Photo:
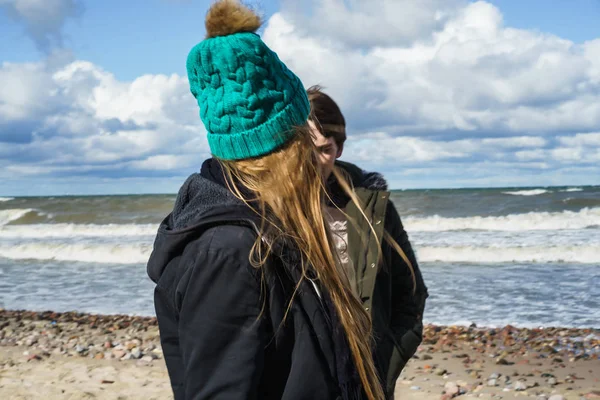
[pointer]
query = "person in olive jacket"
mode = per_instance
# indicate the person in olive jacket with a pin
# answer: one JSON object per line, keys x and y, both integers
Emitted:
{"x": 390, "y": 287}
{"x": 249, "y": 300}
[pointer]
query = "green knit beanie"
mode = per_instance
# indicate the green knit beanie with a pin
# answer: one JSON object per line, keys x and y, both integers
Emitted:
{"x": 249, "y": 100}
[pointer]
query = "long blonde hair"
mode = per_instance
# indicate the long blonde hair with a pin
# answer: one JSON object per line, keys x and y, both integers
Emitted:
{"x": 288, "y": 193}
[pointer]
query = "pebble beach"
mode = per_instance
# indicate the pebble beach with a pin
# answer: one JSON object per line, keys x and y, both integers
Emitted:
{"x": 76, "y": 355}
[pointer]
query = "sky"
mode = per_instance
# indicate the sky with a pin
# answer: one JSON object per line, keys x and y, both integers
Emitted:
{"x": 436, "y": 93}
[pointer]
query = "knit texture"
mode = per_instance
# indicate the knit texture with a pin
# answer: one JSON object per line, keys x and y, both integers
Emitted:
{"x": 249, "y": 100}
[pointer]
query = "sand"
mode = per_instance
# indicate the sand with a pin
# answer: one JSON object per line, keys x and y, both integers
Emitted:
{"x": 78, "y": 356}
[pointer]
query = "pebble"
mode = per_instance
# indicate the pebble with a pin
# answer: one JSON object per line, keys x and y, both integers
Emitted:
{"x": 451, "y": 388}
{"x": 146, "y": 360}
{"x": 415, "y": 388}
{"x": 520, "y": 386}
{"x": 556, "y": 397}
{"x": 503, "y": 361}
{"x": 119, "y": 353}
{"x": 492, "y": 382}
{"x": 440, "y": 371}
{"x": 136, "y": 353}
{"x": 552, "y": 381}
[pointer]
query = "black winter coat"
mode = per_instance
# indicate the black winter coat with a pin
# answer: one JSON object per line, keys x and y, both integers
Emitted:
{"x": 220, "y": 340}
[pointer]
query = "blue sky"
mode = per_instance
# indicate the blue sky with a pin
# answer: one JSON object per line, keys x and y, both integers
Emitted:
{"x": 437, "y": 93}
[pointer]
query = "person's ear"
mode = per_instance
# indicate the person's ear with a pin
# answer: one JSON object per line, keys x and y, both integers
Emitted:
{"x": 340, "y": 151}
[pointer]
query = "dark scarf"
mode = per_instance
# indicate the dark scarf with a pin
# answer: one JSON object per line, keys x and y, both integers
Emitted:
{"x": 346, "y": 373}
{"x": 336, "y": 195}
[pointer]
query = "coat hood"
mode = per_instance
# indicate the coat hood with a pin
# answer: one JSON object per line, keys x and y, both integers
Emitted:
{"x": 203, "y": 201}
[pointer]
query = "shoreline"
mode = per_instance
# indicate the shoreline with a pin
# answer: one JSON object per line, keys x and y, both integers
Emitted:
{"x": 80, "y": 355}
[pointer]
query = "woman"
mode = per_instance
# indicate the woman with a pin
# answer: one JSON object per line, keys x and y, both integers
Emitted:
{"x": 248, "y": 296}
{"x": 383, "y": 273}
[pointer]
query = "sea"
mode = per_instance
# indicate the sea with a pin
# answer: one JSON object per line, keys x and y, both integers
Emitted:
{"x": 528, "y": 257}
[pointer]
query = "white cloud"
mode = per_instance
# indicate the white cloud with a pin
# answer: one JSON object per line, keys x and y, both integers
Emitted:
{"x": 473, "y": 74}
{"x": 528, "y": 155}
{"x": 97, "y": 122}
{"x": 570, "y": 150}
{"x": 381, "y": 147}
{"x": 581, "y": 139}
{"x": 22, "y": 85}
{"x": 165, "y": 162}
{"x": 515, "y": 142}
{"x": 372, "y": 23}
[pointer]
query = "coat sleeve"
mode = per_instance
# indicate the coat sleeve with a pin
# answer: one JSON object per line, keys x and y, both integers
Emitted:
{"x": 408, "y": 301}
{"x": 221, "y": 328}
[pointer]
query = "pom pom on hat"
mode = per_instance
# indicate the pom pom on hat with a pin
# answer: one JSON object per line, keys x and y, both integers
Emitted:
{"x": 227, "y": 17}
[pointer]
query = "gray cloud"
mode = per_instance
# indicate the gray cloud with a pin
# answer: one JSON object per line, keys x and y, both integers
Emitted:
{"x": 43, "y": 20}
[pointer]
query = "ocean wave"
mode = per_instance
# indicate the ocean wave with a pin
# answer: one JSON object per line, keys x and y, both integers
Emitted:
{"x": 550, "y": 238}
{"x": 585, "y": 218}
{"x": 5, "y": 199}
{"x": 532, "y": 192}
{"x": 569, "y": 190}
{"x": 138, "y": 253}
{"x": 76, "y": 230}
{"x": 97, "y": 253}
{"x": 14, "y": 214}
{"x": 492, "y": 255}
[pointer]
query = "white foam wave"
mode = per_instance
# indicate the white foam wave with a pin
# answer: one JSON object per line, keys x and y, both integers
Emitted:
{"x": 138, "y": 253}
{"x": 586, "y": 218}
{"x": 569, "y": 190}
{"x": 13, "y": 214}
{"x": 532, "y": 192}
{"x": 564, "y": 237}
{"x": 5, "y": 199}
{"x": 96, "y": 253}
{"x": 486, "y": 255}
{"x": 76, "y": 230}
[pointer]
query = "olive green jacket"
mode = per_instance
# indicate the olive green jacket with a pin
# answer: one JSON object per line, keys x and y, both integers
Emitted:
{"x": 385, "y": 283}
